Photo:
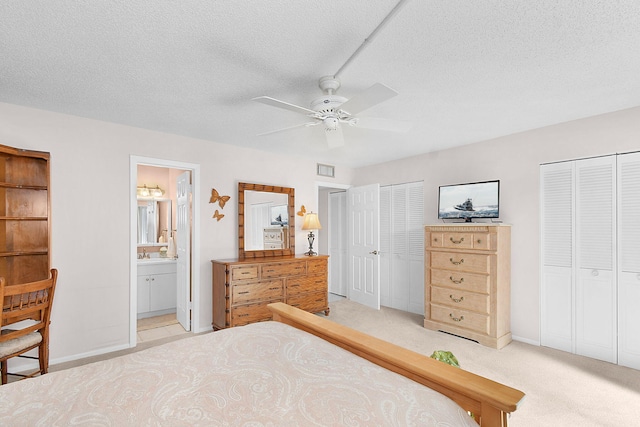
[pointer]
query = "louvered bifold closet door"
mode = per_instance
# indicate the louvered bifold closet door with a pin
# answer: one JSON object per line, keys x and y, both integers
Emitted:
{"x": 629, "y": 260}
{"x": 402, "y": 247}
{"x": 556, "y": 290}
{"x": 596, "y": 302}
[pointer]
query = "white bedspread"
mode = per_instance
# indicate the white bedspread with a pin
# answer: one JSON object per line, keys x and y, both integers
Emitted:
{"x": 263, "y": 374}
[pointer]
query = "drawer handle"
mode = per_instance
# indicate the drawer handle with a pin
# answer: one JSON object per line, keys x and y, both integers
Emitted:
{"x": 456, "y": 242}
{"x": 479, "y": 241}
{"x": 274, "y": 289}
{"x": 457, "y": 282}
{"x": 243, "y": 292}
{"x": 294, "y": 285}
{"x": 243, "y": 315}
{"x": 456, "y": 299}
{"x": 456, "y": 262}
{"x": 245, "y": 272}
{"x": 456, "y": 319}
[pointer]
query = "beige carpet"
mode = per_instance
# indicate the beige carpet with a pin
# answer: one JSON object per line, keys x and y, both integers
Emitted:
{"x": 561, "y": 389}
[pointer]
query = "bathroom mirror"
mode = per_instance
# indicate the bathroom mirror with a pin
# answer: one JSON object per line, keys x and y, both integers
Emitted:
{"x": 154, "y": 221}
{"x": 266, "y": 220}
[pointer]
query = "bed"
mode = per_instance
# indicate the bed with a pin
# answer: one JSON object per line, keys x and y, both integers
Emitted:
{"x": 286, "y": 372}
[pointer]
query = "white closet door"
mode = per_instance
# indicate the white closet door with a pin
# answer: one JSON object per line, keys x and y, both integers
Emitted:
{"x": 629, "y": 260}
{"x": 596, "y": 302}
{"x": 402, "y": 247}
{"x": 386, "y": 230}
{"x": 556, "y": 291}
{"x": 338, "y": 271}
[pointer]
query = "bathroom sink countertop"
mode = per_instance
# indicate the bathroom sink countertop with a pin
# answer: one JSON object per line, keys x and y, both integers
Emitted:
{"x": 156, "y": 260}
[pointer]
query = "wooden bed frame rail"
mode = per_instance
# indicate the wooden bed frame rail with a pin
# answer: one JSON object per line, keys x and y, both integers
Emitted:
{"x": 489, "y": 402}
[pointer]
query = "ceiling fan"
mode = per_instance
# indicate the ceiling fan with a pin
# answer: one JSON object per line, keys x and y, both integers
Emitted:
{"x": 333, "y": 111}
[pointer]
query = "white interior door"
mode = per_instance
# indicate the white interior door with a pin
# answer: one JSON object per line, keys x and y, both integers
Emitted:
{"x": 557, "y": 242}
{"x": 596, "y": 302}
{"x": 337, "y": 243}
{"x": 183, "y": 250}
{"x": 363, "y": 213}
{"x": 629, "y": 260}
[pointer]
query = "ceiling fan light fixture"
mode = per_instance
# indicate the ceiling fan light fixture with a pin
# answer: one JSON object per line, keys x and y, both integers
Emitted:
{"x": 331, "y": 123}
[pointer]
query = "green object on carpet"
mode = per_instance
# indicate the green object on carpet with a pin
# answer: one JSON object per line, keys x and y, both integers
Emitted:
{"x": 446, "y": 357}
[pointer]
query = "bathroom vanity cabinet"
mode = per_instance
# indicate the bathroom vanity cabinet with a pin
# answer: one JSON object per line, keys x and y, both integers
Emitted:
{"x": 156, "y": 287}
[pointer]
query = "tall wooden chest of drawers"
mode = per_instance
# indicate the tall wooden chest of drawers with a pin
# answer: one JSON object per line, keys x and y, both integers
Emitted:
{"x": 467, "y": 281}
{"x": 243, "y": 288}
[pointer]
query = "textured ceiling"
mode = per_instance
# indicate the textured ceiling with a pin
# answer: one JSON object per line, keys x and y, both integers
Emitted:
{"x": 466, "y": 71}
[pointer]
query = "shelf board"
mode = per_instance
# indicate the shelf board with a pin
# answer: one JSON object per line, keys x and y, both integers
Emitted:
{"x": 22, "y": 186}
{"x": 23, "y": 218}
{"x": 22, "y": 253}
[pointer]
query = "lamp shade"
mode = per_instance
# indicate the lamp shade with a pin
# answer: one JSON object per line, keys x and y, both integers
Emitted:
{"x": 311, "y": 222}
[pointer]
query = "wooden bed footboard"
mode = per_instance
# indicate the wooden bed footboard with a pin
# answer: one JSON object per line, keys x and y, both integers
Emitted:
{"x": 489, "y": 401}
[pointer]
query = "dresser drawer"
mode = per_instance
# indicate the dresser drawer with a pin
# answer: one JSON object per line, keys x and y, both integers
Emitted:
{"x": 460, "y": 318}
{"x": 461, "y": 280}
{"x": 255, "y": 291}
{"x": 317, "y": 267}
{"x": 459, "y": 299}
{"x": 457, "y": 240}
{"x": 244, "y": 272}
{"x": 284, "y": 269}
{"x": 476, "y": 263}
{"x": 312, "y": 302}
{"x": 250, "y": 313}
{"x": 306, "y": 284}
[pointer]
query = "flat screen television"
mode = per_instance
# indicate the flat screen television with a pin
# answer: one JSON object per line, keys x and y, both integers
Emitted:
{"x": 470, "y": 200}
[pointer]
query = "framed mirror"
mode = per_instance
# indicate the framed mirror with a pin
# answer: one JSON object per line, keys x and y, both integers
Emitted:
{"x": 154, "y": 219}
{"x": 266, "y": 220}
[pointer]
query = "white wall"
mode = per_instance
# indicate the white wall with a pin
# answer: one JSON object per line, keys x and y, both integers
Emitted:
{"x": 514, "y": 160}
{"x": 90, "y": 163}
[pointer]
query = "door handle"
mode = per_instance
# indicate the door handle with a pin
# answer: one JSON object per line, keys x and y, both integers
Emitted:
{"x": 374, "y": 252}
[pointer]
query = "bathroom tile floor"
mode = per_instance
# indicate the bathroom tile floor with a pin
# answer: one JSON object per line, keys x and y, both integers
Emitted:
{"x": 154, "y": 328}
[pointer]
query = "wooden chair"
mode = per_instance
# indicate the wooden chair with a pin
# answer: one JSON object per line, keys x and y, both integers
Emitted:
{"x": 29, "y": 302}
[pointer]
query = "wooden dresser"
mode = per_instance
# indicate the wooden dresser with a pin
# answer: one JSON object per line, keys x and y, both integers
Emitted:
{"x": 467, "y": 281}
{"x": 243, "y": 288}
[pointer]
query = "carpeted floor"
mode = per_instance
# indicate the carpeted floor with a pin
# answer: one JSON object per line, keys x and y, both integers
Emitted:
{"x": 561, "y": 389}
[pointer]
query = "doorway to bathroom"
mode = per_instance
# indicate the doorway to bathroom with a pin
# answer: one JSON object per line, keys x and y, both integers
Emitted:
{"x": 164, "y": 222}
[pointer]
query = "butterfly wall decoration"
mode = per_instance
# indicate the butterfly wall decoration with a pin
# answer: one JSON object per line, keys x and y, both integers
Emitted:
{"x": 216, "y": 197}
{"x": 302, "y": 211}
{"x": 217, "y": 215}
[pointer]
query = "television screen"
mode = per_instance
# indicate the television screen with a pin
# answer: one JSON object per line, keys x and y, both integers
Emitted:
{"x": 472, "y": 200}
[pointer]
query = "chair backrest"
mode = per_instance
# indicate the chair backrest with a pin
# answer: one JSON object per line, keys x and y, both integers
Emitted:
{"x": 27, "y": 301}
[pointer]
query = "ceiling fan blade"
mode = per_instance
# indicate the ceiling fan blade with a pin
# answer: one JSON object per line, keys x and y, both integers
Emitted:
{"x": 383, "y": 124}
{"x": 367, "y": 99}
{"x": 334, "y": 137}
{"x": 308, "y": 124}
{"x": 281, "y": 104}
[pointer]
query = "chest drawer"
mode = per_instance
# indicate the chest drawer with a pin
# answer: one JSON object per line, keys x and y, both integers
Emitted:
{"x": 461, "y": 299}
{"x": 251, "y": 313}
{"x": 460, "y": 318}
{"x": 475, "y": 263}
{"x": 312, "y": 302}
{"x": 306, "y": 284}
{"x": 266, "y": 290}
{"x": 461, "y": 280}
{"x": 244, "y": 272}
{"x": 284, "y": 269}
{"x": 317, "y": 267}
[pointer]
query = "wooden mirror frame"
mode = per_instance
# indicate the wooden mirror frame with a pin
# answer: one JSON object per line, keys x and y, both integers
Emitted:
{"x": 290, "y": 192}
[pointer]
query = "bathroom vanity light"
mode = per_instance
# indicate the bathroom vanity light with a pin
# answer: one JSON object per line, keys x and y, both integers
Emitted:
{"x": 145, "y": 191}
{"x": 311, "y": 223}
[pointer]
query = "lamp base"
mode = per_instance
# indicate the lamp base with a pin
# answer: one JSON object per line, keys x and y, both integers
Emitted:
{"x": 310, "y": 239}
